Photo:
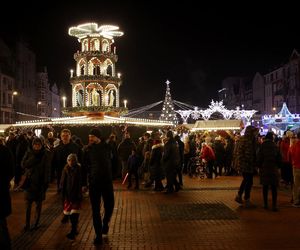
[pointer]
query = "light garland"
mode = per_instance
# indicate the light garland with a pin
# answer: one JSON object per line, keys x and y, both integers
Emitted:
{"x": 84, "y": 120}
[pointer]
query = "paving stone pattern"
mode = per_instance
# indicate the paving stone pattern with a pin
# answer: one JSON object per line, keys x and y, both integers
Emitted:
{"x": 201, "y": 211}
{"x": 202, "y": 216}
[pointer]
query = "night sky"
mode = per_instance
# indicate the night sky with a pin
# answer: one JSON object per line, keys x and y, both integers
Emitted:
{"x": 194, "y": 47}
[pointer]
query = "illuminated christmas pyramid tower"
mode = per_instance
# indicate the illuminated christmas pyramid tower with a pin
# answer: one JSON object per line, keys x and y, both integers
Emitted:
{"x": 95, "y": 83}
{"x": 168, "y": 113}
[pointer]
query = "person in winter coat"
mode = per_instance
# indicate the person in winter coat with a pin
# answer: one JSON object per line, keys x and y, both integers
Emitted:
{"x": 134, "y": 163}
{"x": 36, "y": 163}
{"x": 181, "y": 159}
{"x": 269, "y": 160}
{"x": 294, "y": 153}
{"x": 247, "y": 164}
{"x": 59, "y": 157}
{"x": 61, "y": 152}
{"x": 97, "y": 166}
{"x": 208, "y": 157}
{"x": 7, "y": 167}
{"x": 170, "y": 161}
{"x": 124, "y": 151}
{"x": 71, "y": 185}
{"x": 155, "y": 164}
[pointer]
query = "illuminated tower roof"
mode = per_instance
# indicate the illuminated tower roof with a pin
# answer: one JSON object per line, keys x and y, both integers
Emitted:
{"x": 92, "y": 30}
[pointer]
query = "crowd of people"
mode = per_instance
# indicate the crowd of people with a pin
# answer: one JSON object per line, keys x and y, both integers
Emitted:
{"x": 156, "y": 161}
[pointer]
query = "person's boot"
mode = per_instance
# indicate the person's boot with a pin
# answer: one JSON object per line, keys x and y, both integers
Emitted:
{"x": 266, "y": 202}
{"x": 98, "y": 240}
{"x": 158, "y": 186}
{"x": 274, "y": 199}
{"x": 148, "y": 184}
{"x": 249, "y": 204}
{"x": 28, "y": 218}
{"x": 65, "y": 219}
{"x": 137, "y": 184}
{"x": 265, "y": 196}
{"x": 74, "y": 222}
{"x": 238, "y": 199}
{"x": 105, "y": 228}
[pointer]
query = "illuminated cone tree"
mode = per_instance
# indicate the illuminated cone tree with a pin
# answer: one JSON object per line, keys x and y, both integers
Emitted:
{"x": 168, "y": 113}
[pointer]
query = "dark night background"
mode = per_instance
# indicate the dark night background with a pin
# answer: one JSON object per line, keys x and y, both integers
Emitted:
{"x": 193, "y": 46}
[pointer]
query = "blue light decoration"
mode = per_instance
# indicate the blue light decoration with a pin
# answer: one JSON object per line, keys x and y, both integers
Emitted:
{"x": 282, "y": 121}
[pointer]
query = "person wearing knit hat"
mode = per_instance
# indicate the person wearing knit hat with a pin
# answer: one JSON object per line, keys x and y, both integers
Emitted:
{"x": 94, "y": 136}
{"x": 37, "y": 140}
{"x": 36, "y": 164}
{"x": 95, "y": 132}
{"x": 97, "y": 166}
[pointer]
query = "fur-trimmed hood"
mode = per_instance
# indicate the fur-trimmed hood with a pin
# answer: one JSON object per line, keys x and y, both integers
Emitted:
{"x": 157, "y": 145}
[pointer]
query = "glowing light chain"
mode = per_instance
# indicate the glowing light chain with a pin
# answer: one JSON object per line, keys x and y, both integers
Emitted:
{"x": 140, "y": 110}
{"x": 81, "y": 120}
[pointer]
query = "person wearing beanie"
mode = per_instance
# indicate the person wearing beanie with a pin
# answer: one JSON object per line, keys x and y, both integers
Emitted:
{"x": 95, "y": 132}
{"x": 36, "y": 163}
{"x": 97, "y": 170}
{"x": 71, "y": 186}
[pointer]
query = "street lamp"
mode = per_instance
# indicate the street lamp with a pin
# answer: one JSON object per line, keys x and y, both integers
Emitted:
{"x": 64, "y": 98}
{"x": 71, "y": 72}
{"x": 37, "y": 106}
{"x": 119, "y": 75}
{"x": 15, "y": 93}
{"x": 125, "y": 103}
{"x": 222, "y": 96}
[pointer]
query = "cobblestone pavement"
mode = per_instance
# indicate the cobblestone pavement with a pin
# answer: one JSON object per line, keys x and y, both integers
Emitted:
{"x": 203, "y": 215}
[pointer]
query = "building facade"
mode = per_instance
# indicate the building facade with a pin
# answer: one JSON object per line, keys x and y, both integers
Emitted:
{"x": 24, "y": 93}
{"x": 7, "y": 85}
{"x": 266, "y": 92}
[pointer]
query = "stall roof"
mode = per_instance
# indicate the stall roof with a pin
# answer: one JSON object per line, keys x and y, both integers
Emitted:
{"x": 4, "y": 127}
{"x": 218, "y": 125}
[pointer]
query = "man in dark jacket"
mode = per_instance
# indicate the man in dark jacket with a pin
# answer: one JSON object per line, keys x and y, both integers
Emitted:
{"x": 59, "y": 158}
{"x": 181, "y": 159}
{"x": 124, "y": 151}
{"x": 61, "y": 152}
{"x": 97, "y": 166}
{"x": 7, "y": 164}
{"x": 171, "y": 160}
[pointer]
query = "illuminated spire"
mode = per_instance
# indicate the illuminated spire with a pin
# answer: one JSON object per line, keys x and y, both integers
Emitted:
{"x": 168, "y": 113}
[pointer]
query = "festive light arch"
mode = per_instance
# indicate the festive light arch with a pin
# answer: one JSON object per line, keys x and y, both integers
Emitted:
{"x": 217, "y": 107}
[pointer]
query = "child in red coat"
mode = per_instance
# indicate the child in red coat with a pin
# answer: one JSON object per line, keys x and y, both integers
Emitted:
{"x": 71, "y": 191}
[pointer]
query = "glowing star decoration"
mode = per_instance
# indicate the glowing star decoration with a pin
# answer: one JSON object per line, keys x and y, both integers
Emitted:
{"x": 92, "y": 30}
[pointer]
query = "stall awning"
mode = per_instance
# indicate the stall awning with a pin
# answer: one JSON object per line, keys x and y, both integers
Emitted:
{"x": 218, "y": 125}
{"x": 4, "y": 127}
